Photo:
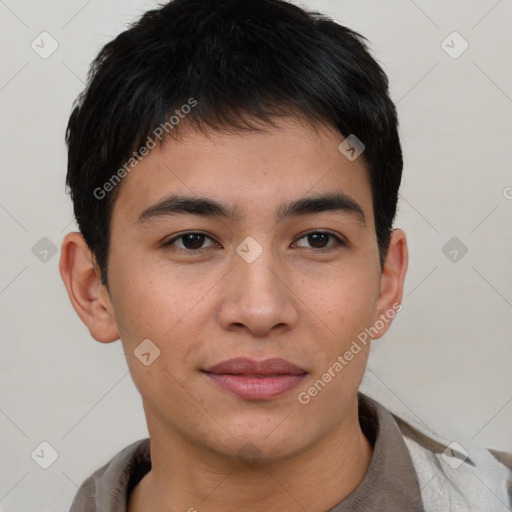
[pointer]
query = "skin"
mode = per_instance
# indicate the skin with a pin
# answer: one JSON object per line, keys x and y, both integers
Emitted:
{"x": 301, "y": 301}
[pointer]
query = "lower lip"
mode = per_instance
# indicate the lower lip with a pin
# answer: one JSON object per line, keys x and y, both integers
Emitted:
{"x": 256, "y": 388}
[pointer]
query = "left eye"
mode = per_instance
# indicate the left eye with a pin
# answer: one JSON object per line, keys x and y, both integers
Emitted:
{"x": 319, "y": 239}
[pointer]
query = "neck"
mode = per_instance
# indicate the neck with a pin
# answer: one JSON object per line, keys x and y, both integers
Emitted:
{"x": 184, "y": 477}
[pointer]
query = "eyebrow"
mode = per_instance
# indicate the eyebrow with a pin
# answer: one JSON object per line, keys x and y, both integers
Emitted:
{"x": 176, "y": 204}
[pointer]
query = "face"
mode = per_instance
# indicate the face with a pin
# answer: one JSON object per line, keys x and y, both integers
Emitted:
{"x": 256, "y": 276}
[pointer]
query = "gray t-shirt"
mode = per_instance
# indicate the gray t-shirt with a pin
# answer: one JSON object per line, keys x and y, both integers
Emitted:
{"x": 390, "y": 484}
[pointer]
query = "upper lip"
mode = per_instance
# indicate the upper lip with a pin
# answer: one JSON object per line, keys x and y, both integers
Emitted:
{"x": 246, "y": 366}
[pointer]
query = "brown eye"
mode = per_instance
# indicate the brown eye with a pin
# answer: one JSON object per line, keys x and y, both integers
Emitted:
{"x": 193, "y": 241}
{"x": 320, "y": 240}
{"x": 189, "y": 241}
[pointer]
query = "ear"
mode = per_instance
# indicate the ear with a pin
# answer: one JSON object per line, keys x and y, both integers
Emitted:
{"x": 392, "y": 282}
{"x": 88, "y": 296}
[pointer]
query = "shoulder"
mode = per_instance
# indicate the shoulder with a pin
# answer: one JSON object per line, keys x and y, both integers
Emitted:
{"x": 457, "y": 475}
{"x": 106, "y": 488}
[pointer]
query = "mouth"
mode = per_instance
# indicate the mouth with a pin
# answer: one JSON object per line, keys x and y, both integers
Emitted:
{"x": 256, "y": 380}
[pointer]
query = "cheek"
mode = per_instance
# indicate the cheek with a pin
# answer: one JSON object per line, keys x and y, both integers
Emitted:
{"x": 342, "y": 302}
{"x": 341, "y": 311}
{"x": 159, "y": 304}
{"x": 150, "y": 309}
{"x": 150, "y": 299}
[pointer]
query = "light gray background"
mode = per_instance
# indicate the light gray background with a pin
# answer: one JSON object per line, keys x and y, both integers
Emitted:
{"x": 446, "y": 361}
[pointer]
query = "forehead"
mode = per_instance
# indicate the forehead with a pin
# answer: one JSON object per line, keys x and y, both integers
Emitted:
{"x": 254, "y": 171}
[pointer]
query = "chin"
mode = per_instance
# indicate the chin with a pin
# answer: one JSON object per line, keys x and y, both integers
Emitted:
{"x": 251, "y": 449}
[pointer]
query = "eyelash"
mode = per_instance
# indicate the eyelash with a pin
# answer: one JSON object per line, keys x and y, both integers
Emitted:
{"x": 339, "y": 241}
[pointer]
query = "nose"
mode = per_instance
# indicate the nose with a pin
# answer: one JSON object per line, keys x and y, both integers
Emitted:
{"x": 257, "y": 297}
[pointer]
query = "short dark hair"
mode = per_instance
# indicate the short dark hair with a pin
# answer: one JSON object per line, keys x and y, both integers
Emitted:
{"x": 240, "y": 61}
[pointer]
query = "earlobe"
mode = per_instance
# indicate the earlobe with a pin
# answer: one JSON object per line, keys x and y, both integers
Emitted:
{"x": 392, "y": 280}
{"x": 88, "y": 296}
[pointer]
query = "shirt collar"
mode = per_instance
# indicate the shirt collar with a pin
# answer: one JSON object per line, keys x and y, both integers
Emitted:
{"x": 390, "y": 483}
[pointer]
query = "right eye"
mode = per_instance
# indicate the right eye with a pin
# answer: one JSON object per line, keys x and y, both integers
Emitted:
{"x": 191, "y": 241}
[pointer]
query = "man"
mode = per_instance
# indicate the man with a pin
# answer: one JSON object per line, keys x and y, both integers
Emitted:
{"x": 234, "y": 168}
